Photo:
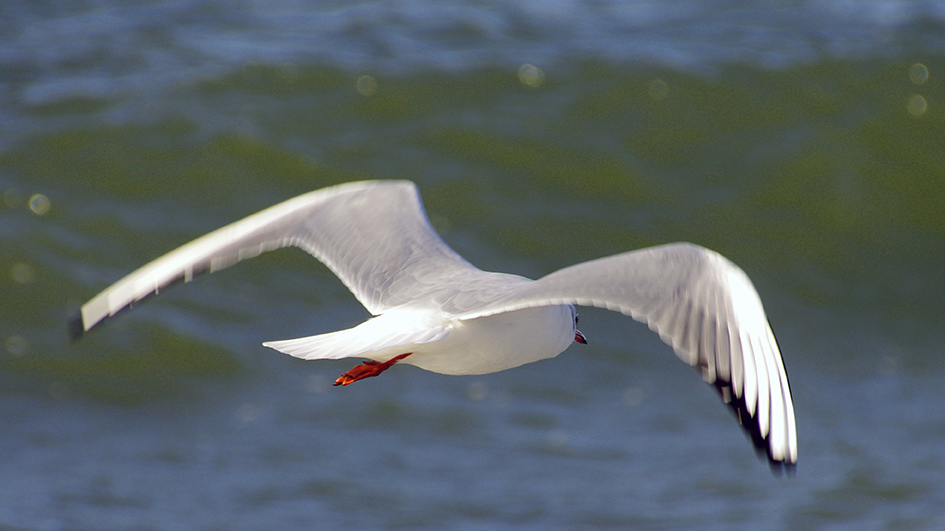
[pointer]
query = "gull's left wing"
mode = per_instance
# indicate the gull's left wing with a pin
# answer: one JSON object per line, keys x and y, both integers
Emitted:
{"x": 700, "y": 303}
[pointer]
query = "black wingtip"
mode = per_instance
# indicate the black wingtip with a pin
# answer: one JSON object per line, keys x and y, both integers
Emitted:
{"x": 76, "y": 328}
{"x": 752, "y": 428}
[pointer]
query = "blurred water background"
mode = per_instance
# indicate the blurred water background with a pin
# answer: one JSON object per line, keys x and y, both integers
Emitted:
{"x": 805, "y": 140}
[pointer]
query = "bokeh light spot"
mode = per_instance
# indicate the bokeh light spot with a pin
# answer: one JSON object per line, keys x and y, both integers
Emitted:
{"x": 21, "y": 273}
{"x": 918, "y": 73}
{"x": 39, "y": 204}
{"x": 916, "y": 105}
{"x": 17, "y": 345}
{"x": 530, "y": 75}
{"x": 366, "y": 85}
{"x": 658, "y": 89}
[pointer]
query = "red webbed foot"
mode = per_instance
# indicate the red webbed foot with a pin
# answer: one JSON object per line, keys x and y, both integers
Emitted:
{"x": 368, "y": 369}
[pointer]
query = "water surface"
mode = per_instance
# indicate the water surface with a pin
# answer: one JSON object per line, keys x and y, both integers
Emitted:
{"x": 803, "y": 141}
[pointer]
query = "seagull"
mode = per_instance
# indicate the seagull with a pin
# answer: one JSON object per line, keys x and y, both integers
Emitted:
{"x": 434, "y": 310}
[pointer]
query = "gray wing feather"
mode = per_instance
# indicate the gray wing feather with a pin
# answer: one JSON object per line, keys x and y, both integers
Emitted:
{"x": 373, "y": 235}
{"x": 382, "y": 246}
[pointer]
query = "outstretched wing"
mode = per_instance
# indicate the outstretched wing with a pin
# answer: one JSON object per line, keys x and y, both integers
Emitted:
{"x": 374, "y": 235}
{"x": 701, "y": 304}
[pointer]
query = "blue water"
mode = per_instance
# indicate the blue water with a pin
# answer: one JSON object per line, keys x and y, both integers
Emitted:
{"x": 802, "y": 140}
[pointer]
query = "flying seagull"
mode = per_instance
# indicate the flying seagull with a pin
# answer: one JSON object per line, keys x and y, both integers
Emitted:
{"x": 435, "y": 310}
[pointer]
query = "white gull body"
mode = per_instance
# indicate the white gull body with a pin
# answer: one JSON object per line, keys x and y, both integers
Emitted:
{"x": 435, "y": 310}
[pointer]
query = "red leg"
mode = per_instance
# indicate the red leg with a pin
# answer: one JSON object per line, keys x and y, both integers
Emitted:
{"x": 368, "y": 369}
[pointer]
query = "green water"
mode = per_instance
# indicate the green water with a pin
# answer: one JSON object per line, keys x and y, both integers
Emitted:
{"x": 825, "y": 182}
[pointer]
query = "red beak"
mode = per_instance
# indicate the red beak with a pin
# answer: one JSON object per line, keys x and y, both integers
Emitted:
{"x": 579, "y": 337}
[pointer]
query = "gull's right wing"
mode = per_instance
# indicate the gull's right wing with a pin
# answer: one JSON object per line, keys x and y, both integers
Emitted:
{"x": 374, "y": 235}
